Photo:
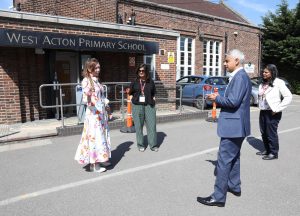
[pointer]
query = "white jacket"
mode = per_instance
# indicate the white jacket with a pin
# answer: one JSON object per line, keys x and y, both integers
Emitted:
{"x": 275, "y": 94}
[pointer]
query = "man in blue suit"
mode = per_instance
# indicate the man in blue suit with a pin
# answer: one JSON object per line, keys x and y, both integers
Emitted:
{"x": 233, "y": 127}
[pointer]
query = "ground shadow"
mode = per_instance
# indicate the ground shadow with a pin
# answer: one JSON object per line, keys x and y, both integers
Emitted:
{"x": 214, "y": 162}
{"x": 256, "y": 143}
{"x": 116, "y": 155}
{"x": 160, "y": 139}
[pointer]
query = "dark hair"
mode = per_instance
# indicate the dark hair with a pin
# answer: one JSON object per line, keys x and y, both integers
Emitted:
{"x": 274, "y": 73}
{"x": 89, "y": 67}
{"x": 146, "y": 71}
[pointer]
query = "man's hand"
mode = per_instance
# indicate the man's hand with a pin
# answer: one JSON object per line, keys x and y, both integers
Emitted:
{"x": 127, "y": 90}
{"x": 212, "y": 96}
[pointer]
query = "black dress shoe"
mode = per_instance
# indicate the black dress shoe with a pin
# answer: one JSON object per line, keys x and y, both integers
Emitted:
{"x": 235, "y": 193}
{"x": 210, "y": 201}
{"x": 270, "y": 157}
{"x": 262, "y": 153}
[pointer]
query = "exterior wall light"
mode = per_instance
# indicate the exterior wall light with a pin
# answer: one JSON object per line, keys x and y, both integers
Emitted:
{"x": 131, "y": 19}
{"x": 200, "y": 34}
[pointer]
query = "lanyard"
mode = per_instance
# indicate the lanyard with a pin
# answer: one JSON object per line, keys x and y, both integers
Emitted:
{"x": 142, "y": 86}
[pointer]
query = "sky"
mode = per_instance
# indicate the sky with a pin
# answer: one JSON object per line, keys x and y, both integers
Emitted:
{"x": 252, "y": 10}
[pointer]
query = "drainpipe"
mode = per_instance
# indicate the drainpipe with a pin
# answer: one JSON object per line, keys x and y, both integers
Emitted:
{"x": 259, "y": 53}
{"x": 226, "y": 47}
{"x": 117, "y": 11}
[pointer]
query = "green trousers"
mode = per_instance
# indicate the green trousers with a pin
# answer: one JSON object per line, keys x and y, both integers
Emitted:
{"x": 145, "y": 114}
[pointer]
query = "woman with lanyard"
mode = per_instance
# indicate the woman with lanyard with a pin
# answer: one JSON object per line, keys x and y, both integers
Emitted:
{"x": 142, "y": 91}
{"x": 273, "y": 97}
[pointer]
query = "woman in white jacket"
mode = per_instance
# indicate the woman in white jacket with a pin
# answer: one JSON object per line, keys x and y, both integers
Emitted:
{"x": 273, "y": 97}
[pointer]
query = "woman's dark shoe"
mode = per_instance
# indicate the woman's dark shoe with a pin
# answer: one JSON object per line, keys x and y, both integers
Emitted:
{"x": 262, "y": 153}
{"x": 270, "y": 157}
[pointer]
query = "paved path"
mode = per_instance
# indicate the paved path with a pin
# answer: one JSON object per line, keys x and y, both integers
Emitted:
{"x": 41, "y": 177}
{"x": 48, "y": 127}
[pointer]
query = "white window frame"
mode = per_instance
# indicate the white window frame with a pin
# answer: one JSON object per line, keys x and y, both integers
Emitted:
{"x": 216, "y": 67}
{"x": 151, "y": 66}
{"x": 186, "y": 66}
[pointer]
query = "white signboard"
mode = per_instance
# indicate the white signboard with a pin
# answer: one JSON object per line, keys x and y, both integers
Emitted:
{"x": 165, "y": 66}
{"x": 249, "y": 68}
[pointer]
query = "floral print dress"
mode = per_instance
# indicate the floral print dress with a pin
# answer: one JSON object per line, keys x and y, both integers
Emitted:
{"x": 94, "y": 145}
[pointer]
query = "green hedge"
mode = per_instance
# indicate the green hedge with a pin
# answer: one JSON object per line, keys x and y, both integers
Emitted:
{"x": 296, "y": 86}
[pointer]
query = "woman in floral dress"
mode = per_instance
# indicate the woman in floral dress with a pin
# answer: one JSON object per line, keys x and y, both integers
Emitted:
{"x": 94, "y": 147}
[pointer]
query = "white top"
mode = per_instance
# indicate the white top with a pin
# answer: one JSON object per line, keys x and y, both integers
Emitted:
{"x": 231, "y": 75}
{"x": 262, "y": 102}
{"x": 278, "y": 96}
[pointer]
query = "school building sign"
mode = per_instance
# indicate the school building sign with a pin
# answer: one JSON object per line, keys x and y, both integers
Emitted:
{"x": 49, "y": 40}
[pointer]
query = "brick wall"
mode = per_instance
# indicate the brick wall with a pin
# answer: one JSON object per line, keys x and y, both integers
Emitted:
{"x": 101, "y": 10}
{"x": 20, "y": 76}
{"x": 187, "y": 24}
{"x": 9, "y": 94}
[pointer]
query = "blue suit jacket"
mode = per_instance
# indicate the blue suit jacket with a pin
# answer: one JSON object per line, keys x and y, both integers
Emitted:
{"x": 234, "y": 118}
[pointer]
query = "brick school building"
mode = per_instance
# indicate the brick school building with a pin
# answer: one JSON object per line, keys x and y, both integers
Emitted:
{"x": 42, "y": 42}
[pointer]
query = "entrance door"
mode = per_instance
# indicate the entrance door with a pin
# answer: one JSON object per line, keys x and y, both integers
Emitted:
{"x": 66, "y": 69}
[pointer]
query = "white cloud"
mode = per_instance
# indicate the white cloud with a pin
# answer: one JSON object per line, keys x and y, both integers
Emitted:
{"x": 261, "y": 8}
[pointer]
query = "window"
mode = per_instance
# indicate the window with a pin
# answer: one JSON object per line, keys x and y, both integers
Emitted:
{"x": 216, "y": 81}
{"x": 183, "y": 80}
{"x": 84, "y": 58}
{"x": 185, "y": 57}
{"x": 211, "y": 57}
{"x": 149, "y": 60}
{"x": 190, "y": 79}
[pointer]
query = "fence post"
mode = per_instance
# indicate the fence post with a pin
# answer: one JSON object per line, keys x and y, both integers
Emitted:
{"x": 61, "y": 108}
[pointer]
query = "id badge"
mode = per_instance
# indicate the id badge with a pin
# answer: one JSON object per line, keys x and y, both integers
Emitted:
{"x": 142, "y": 99}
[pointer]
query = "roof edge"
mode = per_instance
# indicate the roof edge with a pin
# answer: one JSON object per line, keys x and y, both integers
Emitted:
{"x": 249, "y": 24}
{"x": 237, "y": 13}
{"x": 18, "y": 15}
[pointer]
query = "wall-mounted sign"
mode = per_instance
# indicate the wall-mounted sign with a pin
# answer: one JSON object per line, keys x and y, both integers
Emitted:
{"x": 171, "y": 57}
{"x": 249, "y": 68}
{"x": 165, "y": 66}
{"x": 47, "y": 40}
{"x": 131, "y": 61}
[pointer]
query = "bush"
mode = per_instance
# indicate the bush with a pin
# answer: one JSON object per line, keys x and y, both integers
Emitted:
{"x": 296, "y": 86}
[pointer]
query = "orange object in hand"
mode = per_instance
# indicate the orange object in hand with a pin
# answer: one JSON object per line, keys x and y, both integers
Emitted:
{"x": 214, "y": 109}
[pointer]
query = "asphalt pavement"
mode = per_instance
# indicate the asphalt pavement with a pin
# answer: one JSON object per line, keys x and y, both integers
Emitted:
{"x": 40, "y": 177}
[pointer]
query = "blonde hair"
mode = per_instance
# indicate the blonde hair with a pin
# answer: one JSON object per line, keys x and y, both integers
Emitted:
{"x": 89, "y": 67}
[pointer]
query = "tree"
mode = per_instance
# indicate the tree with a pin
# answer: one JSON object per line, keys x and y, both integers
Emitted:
{"x": 281, "y": 40}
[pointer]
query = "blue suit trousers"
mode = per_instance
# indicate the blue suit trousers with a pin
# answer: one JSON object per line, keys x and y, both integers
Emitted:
{"x": 228, "y": 168}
